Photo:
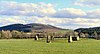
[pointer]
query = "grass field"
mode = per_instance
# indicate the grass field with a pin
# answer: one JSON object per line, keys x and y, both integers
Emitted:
{"x": 59, "y": 46}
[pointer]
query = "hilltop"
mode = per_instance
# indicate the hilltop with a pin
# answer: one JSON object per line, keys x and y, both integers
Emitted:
{"x": 30, "y": 27}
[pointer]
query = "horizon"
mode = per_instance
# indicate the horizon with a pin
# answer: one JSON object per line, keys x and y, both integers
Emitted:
{"x": 44, "y": 24}
{"x": 68, "y": 14}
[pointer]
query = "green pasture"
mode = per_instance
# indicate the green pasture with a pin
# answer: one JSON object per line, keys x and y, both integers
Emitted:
{"x": 58, "y": 46}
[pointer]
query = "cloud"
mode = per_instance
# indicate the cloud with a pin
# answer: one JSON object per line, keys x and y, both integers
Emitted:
{"x": 94, "y": 13}
{"x": 26, "y": 9}
{"x": 89, "y": 3}
{"x": 43, "y": 10}
{"x": 69, "y": 23}
{"x": 72, "y": 18}
{"x": 6, "y": 20}
{"x": 70, "y": 12}
{"x": 77, "y": 13}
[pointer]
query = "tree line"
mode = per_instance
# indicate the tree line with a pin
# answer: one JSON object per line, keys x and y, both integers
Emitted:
{"x": 14, "y": 34}
{"x": 6, "y": 34}
{"x": 23, "y": 35}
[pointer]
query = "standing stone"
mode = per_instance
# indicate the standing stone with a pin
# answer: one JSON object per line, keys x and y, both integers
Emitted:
{"x": 36, "y": 37}
{"x": 48, "y": 39}
{"x": 77, "y": 37}
{"x": 95, "y": 35}
{"x": 74, "y": 38}
{"x": 69, "y": 39}
{"x": 53, "y": 35}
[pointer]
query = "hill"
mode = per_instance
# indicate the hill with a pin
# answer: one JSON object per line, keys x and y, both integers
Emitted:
{"x": 88, "y": 30}
{"x": 29, "y": 27}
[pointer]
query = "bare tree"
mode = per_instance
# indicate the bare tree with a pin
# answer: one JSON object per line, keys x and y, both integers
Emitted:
{"x": 16, "y": 34}
{"x": 6, "y": 34}
{"x": 9, "y": 35}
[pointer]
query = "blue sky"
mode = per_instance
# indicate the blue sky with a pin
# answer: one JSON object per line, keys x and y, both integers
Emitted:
{"x": 58, "y": 3}
{"x": 70, "y": 14}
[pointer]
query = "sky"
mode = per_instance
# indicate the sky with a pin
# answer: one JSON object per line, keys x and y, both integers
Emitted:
{"x": 69, "y": 14}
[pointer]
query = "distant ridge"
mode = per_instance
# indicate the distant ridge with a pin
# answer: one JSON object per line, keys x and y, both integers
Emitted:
{"x": 88, "y": 30}
{"x": 29, "y": 27}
